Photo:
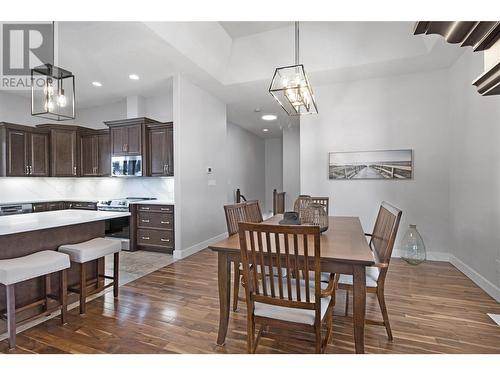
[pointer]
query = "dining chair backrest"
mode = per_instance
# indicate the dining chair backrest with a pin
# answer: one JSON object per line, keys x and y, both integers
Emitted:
{"x": 254, "y": 213}
{"x": 273, "y": 258}
{"x": 385, "y": 231}
{"x": 324, "y": 201}
{"x": 235, "y": 213}
{"x": 278, "y": 202}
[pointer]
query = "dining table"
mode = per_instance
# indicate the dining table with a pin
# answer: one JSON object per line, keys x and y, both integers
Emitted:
{"x": 344, "y": 250}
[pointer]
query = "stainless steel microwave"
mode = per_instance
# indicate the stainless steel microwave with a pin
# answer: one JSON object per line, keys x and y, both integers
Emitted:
{"x": 126, "y": 166}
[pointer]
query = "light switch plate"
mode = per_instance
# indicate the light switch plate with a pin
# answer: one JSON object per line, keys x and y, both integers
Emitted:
{"x": 212, "y": 182}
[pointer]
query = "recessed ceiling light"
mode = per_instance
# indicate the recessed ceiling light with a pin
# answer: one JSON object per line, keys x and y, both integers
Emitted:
{"x": 269, "y": 117}
{"x": 97, "y": 84}
{"x": 265, "y": 130}
{"x": 135, "y": 77}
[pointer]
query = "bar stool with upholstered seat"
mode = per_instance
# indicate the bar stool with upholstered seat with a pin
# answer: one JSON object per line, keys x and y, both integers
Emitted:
{"x": 89, "y": 251}
{"x": 16, "y": 270}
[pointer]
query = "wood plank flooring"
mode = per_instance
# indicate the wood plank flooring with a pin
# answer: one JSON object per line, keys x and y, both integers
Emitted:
{"x": 433, "y": 308}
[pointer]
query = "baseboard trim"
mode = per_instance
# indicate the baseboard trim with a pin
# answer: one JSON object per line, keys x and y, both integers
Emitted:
{"x": 180, "y": 254}
{"x": 478, "y": 279}
{"x": 437, "y": 256}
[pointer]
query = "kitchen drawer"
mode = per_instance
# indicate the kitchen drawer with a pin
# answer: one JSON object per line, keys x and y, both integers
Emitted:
{"x": 81, "y": 205}
{"x": 56, "y": 206}
{"x": 157, "y": 220}
{"x": 155, "y": 208}
{"x": 156, "y": 238}
{"x": 40, "y": 207}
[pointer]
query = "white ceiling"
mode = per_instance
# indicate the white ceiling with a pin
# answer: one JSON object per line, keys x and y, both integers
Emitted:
{"x": 237, "y": 29}
{"x": 236, "y": 60}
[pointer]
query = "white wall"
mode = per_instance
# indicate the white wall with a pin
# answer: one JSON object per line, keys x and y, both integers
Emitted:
{"x": 16, "y": 109}
{"x": 475, "y": 172}
{"x": 408, "y": 111}
{"x": 274, "y": 169}
{"x": 245, "y": 164}
{"x": 291, "y": 165}
{"x": 199, "y": 143}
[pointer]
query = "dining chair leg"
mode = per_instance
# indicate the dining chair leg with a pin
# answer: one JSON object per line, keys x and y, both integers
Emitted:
{"x": 318, "y": 337}
{"x": 63, "y": 297}
{"x": 83, "y": 287}
{"x": 383, "y": 310}
{"x": 346, "y": 302}
{"x": 11, "y": 315}
{"x": 250, "y": 335}
{"x": 236, "y": 286}
{"x": 329, "y": 328}
{"x": 116, "y": 272}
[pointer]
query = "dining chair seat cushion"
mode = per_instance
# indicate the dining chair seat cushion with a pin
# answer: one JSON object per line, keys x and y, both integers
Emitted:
{"x": 371, "y": 277}
{"x": 290, "y": 314}
{"x": 90, "y": 250}
{"x": 42, "y": 263}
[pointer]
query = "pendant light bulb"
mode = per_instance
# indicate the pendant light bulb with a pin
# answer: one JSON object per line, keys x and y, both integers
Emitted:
{"x": 61, "y": 99}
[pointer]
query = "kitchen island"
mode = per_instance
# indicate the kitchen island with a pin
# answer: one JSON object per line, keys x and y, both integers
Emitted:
{"x": 25, "y": 234}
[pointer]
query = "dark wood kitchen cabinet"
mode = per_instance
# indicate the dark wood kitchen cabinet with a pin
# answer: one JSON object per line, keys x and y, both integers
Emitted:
{"x": 152, "y": 228}
{"x": 63, "y": 149}
{"x": 160, "y": 160}
{"x": 24, "y": 151}
{"x": 95, "y": 153}
{"x": 128, "y": 136}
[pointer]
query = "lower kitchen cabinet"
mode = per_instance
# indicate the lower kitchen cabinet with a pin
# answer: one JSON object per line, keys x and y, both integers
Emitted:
{"x": 152, "y": 227}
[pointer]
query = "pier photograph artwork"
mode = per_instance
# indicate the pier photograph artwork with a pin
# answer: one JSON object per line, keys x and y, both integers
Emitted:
{"x": 371, "y": 165}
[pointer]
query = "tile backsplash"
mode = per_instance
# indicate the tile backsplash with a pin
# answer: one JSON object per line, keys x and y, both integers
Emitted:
{"x": 24, "y": 189}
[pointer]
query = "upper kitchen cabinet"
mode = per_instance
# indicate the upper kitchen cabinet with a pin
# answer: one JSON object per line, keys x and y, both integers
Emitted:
{"x": 95, "y": 153}
{"x": 128, "y": 136}
{"x": 24, "y": 151}
{"x": 63, "y": 150}
{"x": 160, "y": 157}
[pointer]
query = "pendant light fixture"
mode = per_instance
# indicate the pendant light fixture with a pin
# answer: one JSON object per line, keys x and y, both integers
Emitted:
{"x": 52, "y": 90}
{"x": 291, "y": 88}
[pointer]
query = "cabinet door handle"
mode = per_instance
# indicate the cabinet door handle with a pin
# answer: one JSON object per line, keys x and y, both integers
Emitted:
{"x": 26, "y": 170}
{"x": 30, "y": 169}
{"x": 74, "y": 171}
{"x": 165, "y": 222}
{"x": 164, "y": 240}
{"x": 145, "y": 238}
{"x": 145, "y": 221}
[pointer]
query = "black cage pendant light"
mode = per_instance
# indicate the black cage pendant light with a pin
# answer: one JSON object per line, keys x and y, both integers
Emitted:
{"x": 291, "y": 88}
{"x": 52, "y": 90}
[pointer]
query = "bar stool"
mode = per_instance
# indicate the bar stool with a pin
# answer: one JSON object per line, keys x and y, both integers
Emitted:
{"x": 16, "y": 270}
{"x": 88, "y": 251}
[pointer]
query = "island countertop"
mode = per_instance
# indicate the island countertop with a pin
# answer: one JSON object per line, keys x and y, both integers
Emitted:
{"x": 52, "y": 219}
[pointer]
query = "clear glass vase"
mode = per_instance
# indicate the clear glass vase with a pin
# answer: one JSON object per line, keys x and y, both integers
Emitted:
{"x": 413, "y": 248}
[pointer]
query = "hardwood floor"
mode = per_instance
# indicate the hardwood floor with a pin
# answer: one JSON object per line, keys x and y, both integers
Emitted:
{"x": 433, "y": 308}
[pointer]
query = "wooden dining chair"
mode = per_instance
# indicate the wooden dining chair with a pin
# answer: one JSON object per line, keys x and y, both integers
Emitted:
{"x": 235, "y": 213}
{"x": 275, "y": 298}
{"x": 278, "y": 202}
{"x": 381, "y": 242}
{"x": 254, "y": 213}
{"x": 324, "y": 201}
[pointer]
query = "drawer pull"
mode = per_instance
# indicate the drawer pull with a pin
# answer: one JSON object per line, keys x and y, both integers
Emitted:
{"x": 145, "y": 238}
{"x": 145, "y": 208}
{"x": 165, "y": 222}
{"x": 165, "y": 209}
{"x": 145, "y": 221}
{"x": 165, "y": 240}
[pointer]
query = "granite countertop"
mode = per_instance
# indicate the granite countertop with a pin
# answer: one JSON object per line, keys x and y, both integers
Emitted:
{"x": 49, "y": 200}
{"x": 51, "y": 219}
{"x": 158, "y": 202}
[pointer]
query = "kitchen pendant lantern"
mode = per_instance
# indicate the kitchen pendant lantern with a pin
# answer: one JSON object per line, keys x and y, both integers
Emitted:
{"x": 291, "y": 88}
{"x": 52, "y": 91}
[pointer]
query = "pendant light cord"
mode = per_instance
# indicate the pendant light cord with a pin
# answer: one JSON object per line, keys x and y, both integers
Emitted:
{"x": 53, "y": 42}
{"x": 297, "y": 42}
